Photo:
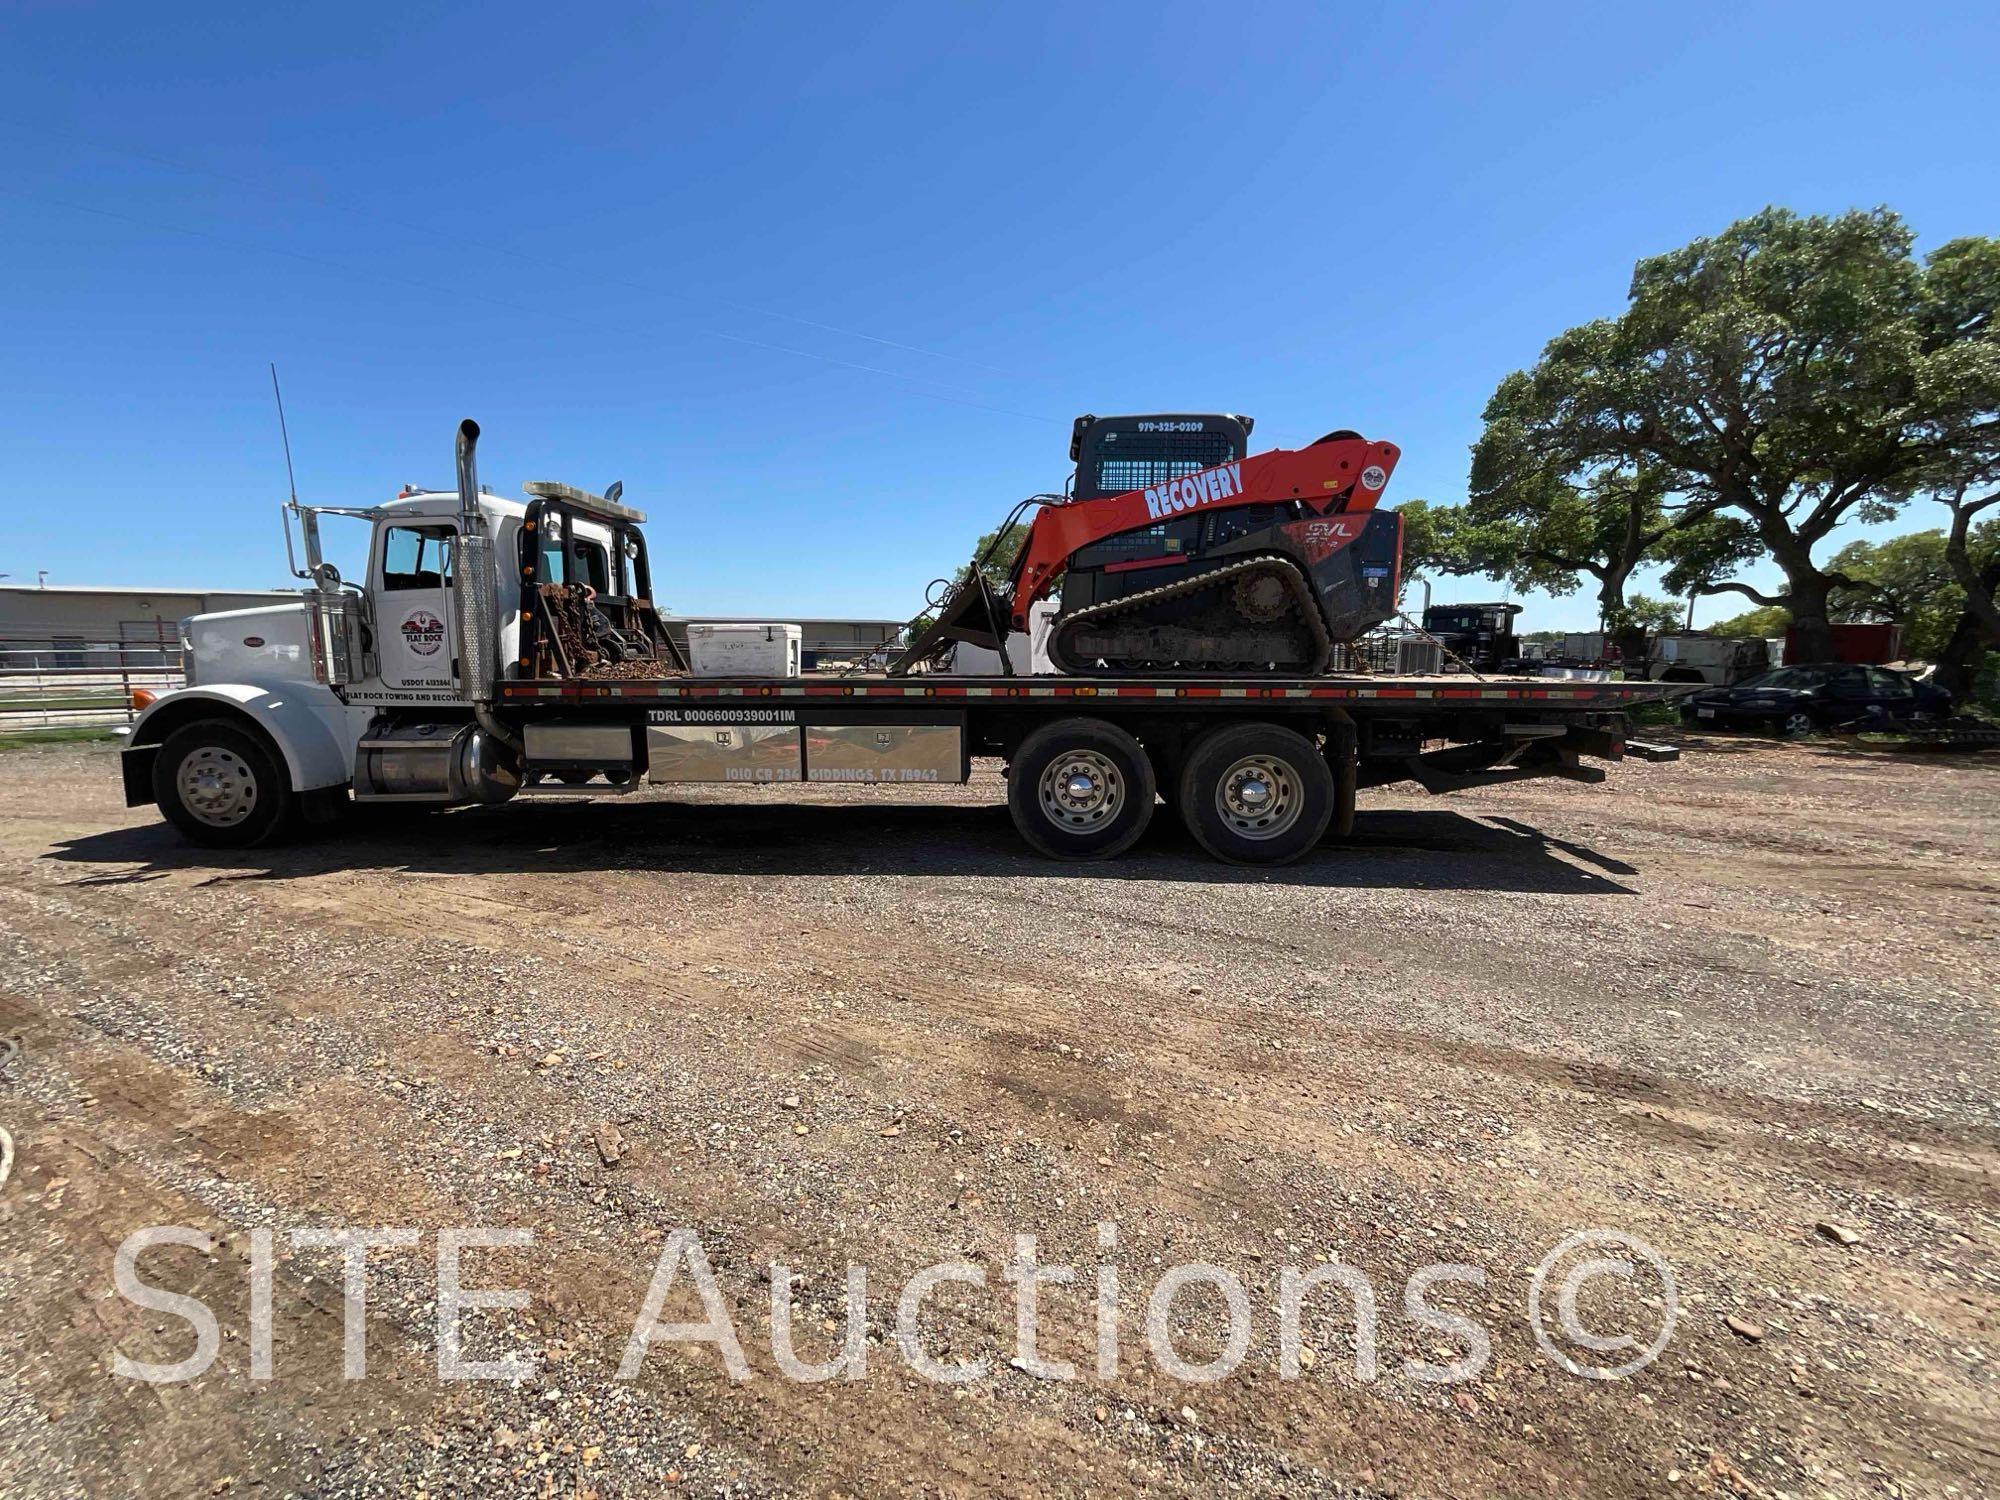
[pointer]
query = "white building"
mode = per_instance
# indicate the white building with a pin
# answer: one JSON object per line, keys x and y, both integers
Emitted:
{"x": 70, "y": 627}
{"x": 112, "y": 627}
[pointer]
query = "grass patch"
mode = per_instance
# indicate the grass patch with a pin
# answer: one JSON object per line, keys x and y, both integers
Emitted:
{"x": 1654, "y": 715}
{"x": 89, "y": 734}
{"x": 37, "y": 700}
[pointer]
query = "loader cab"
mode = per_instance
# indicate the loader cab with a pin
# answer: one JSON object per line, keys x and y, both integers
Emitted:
{"x": 1116, "y": 454}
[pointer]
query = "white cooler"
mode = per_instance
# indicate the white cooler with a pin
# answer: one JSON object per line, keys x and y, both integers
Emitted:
{"x": 744, "y": 650}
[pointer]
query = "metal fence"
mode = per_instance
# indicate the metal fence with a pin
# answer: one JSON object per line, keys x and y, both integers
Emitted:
{"x": 1390, "y": 653}
{"x": 74, "y": 683}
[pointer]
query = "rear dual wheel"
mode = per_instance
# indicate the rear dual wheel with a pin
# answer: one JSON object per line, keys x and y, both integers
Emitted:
{"x": 1251, "y": 794}
{"x": 1256, "y": 794}
{"x": 1080, "y": 789}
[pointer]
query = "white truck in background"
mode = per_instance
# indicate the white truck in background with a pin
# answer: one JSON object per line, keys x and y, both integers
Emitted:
{"x": 1715, "y": 660}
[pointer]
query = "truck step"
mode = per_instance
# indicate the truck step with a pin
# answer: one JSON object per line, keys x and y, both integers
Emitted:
{"x": 586, "y": 789}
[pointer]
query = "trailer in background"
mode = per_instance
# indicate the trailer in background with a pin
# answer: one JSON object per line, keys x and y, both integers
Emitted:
{"x": 1866, "y": 645}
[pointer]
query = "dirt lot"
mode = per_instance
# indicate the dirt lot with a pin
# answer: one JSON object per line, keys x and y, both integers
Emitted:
{"x": 1717, "y": 1005}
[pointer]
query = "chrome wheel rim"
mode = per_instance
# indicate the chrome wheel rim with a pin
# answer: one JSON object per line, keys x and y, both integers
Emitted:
{"x": 1081, "y": 790}
{"x": 1798, "y": 724}
{"x": 1259, "y": 797}
{"x": 217, "y": 786}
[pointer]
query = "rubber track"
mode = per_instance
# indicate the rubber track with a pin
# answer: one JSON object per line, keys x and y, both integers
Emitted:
{"x": 1302, "y": 595}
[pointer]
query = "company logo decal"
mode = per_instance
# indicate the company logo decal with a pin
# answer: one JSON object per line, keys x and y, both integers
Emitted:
{"x": 424, "y": 632}
{"x": 1321, "y": 539}
{"x": 1373, "y": 477}
{"x": 1194, "y": 491}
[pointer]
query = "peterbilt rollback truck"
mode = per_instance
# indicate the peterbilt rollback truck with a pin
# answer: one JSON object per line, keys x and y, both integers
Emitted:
{"x": 504, "y": 648}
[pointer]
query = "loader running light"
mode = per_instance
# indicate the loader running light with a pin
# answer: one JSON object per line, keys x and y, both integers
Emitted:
{"x": 141, "y": 699}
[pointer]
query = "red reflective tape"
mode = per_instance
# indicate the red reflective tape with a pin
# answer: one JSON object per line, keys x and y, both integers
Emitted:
{"x": 1137, "y": 692}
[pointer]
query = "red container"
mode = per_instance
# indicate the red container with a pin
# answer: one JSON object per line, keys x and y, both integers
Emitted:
{"x": 1859, "y": 643}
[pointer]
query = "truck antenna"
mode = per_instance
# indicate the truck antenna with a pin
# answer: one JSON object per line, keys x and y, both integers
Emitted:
{"x": 284, "y": 434}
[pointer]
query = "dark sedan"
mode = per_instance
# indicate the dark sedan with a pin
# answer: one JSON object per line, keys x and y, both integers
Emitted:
{"x": 1807, "y": 700}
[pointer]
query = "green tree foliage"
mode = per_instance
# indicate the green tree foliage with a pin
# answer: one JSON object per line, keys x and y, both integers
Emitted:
{"x": 1767, "y": 622}
{"x": 1962, "y": 288}
{"x": 999, "y": 553}
{"x": 1655, "y": 616}
{"x": 1906, "y": 580}
{"x": 1762, "y": 387}
{"x": 1430, "y": 545}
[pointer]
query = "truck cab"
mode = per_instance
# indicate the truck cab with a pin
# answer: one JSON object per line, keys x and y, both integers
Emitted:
{"x": 380, "y": 689}
{"x": 1480, "y": 636}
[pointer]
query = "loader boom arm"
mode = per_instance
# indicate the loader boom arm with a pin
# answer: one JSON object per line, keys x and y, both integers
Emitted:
{"x": 1341, "y": 473}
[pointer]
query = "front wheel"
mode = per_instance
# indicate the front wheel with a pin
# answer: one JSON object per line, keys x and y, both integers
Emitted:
{"x": 1080, "y": 789}
{"x": 1796, "y": 724}
{"x": 222, "y": 786}
{"x": 1256, "y": 794}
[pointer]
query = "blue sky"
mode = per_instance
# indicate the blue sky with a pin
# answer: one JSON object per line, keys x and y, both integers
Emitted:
{"x": 825, "y": 285}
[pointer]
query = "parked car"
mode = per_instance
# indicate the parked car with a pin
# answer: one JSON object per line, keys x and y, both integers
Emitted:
{"x": 1803, "y": 700}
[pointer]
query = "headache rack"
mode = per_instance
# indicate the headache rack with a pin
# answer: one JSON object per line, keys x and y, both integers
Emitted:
{"x": 570, "y": 629}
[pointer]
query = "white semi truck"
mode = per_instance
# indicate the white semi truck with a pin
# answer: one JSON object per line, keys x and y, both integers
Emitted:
{"x": 500, "y": 648}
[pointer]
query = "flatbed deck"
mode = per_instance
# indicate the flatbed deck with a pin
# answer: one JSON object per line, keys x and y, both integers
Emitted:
{"x": 1403, "y": 692}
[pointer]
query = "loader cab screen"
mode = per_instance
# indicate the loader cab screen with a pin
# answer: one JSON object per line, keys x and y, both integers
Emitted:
{"x": 1136, "y": 461}
{"x": 1134, "y": 453}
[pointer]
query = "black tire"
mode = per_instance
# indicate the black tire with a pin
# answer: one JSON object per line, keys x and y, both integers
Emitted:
{"x": 235, "y": 793}
{"x": 1795, "y": 725}
{"x": 1289, "y": 816}
{"x": 1096, "y": 821}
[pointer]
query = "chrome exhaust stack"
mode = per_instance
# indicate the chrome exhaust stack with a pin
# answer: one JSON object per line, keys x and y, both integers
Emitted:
{"x": 474, "y": 580}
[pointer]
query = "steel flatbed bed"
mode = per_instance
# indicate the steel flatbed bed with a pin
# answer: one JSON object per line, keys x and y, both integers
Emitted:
{"x": 1401, "y": 692}
{"x": 1087, "y": 756}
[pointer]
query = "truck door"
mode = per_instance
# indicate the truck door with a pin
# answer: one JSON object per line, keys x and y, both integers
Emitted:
{"x": 412, "y": 614}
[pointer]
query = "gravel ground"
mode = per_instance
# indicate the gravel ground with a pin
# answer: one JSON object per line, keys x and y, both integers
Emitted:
{"x": 1741, "y": 1007}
